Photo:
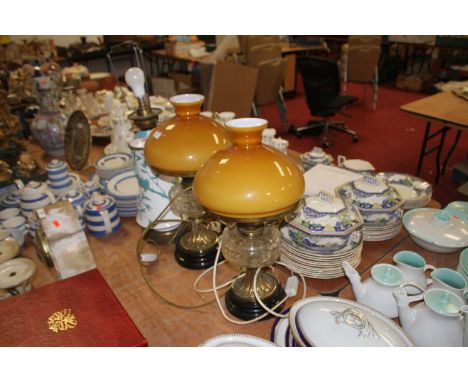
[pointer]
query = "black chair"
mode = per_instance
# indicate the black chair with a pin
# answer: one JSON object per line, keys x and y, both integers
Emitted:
{"x": 322, "y": 92}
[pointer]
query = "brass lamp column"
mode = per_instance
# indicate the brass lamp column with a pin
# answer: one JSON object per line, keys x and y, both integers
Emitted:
{"x": 252, "y": 187}
{"x": 178, "y": 147}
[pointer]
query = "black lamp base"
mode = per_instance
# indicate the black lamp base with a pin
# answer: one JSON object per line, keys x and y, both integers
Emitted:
{"x": 195, "y": 259}
{"x": 248, "y": 310}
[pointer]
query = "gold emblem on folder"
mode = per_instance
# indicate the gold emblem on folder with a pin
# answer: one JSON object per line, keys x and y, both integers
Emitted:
{"x": 62, "y": 320}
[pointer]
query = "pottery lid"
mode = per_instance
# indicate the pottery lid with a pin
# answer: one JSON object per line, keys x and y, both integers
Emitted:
{"x": 16, "y": 272}
{"x": 237, "y": 340}
{"x": 371, "y": 194}
{"x": 99, "y": 203}
{"x": 325, "y": 214}
{"x": 438, "y": 227}
{"x": 333, "y": 321}
{"x": 443, "y": 302}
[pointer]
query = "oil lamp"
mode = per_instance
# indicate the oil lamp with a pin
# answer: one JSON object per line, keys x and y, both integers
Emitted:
{"x": 178, "y": 147}
{"x": 251, "y": 187}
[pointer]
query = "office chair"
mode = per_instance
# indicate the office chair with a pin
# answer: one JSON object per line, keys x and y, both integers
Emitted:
{"x": 321, "y": 80}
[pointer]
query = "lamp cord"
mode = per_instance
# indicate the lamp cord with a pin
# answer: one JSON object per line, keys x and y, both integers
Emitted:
{"x": 140, "y": 243}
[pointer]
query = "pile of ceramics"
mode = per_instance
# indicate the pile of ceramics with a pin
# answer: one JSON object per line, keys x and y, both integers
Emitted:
{"x": 314, "y": 157}
{"x": 379, "y": 205}
{"x": 415, "y": 192}
{"x": 125, "y": 190}
{"x": 324, "y": 233}
{"x": 390, "y": 289}
{"x": 77, "y": 199}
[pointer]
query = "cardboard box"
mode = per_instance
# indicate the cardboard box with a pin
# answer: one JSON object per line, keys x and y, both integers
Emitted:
{"x": 183, "y": 82}
{"x": 416, "y": 84}
{"x": 182, "y": 48}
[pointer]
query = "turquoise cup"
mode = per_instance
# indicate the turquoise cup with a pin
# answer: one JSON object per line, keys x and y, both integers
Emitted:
{"x": 448, "y": 279}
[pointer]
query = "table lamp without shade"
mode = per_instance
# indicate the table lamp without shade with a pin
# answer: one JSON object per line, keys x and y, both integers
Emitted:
{"x": 251, "y": 187}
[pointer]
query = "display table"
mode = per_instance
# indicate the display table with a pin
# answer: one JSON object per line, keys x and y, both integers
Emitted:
{"x": 447, "y": 109}
{"x": 165, "y": 325}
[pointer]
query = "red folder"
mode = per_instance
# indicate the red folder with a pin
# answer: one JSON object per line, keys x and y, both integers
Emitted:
{"x": 79, "y": 311}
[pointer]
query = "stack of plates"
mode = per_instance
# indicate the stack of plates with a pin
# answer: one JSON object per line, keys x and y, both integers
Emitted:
{"x": 384, "y": 231}
{"x": 414, "y": 191}
{"x": 11, "y": 200}
{"x": 110, "y": 165}
{"x": 124, "y": 189}
{"x": 379, "y": 204}
{"x": 463, "y": 264}
{"x": 320, "y": 265}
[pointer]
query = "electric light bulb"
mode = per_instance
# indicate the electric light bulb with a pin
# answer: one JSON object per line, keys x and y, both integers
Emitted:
{"x": 135, "y": 78}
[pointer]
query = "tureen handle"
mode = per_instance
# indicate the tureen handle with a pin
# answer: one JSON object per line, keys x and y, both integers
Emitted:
{"x": 356, "y": 319}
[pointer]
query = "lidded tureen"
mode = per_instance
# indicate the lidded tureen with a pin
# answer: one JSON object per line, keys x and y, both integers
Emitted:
{"x": 323, "y": 223}
{"x": 378, "y": 202}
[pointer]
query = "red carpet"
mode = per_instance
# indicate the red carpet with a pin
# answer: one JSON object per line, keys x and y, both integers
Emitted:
{"x": 388, "y": 138}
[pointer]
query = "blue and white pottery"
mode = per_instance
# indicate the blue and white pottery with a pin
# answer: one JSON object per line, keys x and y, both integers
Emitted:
{"x": 371, "y": 194}
{"x": 314, "y": 157}
{"x": 101, "y": 216}
{"x": 91, "y": 188}
{"x": 33, "y": 196}
{"x": 11, "y": 199}
{"x": 113, "y": 164}
{"x": 323, "y": 223}
{"x": 9, "y": 213}
{"x": 77, "y": 199}
{"x": 16, "y": 223}
{"x": 56, "y": 170}
{"x": 154, "y": 189}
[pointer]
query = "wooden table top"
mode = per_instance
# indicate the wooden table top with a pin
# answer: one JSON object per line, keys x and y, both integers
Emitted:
{"x": 165, "y": 325}
{"x": 443, "y": 107}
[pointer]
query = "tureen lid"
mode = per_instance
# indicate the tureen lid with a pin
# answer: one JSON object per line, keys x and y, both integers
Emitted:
{"x": 325, "y": 214}
{"x": 332, "y": 321}
{"x": 437, "y": 226}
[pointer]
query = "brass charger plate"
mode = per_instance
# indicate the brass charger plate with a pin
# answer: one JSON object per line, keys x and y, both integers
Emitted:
{"x": 77, "y": 140}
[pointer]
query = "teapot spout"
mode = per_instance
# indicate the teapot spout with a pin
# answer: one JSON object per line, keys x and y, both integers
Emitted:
{"x": 359, "y": 289}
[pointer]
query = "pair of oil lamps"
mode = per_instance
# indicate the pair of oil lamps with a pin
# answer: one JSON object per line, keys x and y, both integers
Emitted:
{"x": 244, "y": 184}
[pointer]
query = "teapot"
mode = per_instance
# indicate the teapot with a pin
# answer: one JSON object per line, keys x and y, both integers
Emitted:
{"x": 438, "y": 321}
{"x": 376, "y": 291}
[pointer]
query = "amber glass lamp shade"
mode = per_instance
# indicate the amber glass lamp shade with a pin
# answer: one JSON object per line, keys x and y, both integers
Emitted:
{"x": 180, "y": 145}
{"x": 249, "y": 181}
